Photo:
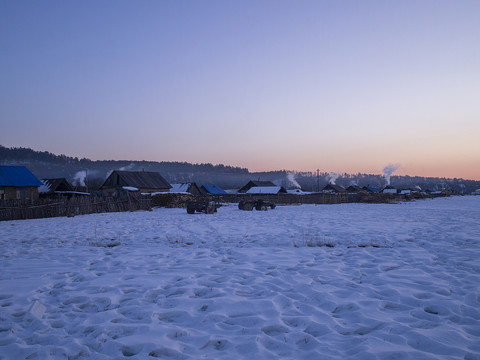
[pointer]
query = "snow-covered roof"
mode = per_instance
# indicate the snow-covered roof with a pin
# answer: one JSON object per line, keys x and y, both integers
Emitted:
{"x": 45, "y": 187}
{"x": 295, "y": 191}
{"x": 264, "y": 190}
{"x": 180, "y": 188}
{"x": 129, "y": 188}
{"x": 389, "y": 190}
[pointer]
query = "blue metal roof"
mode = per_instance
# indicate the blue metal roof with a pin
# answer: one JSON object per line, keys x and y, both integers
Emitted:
{"x": 214, "y": 189}
{"x": 372, "y": 189}
{"x": 17, "y": 176}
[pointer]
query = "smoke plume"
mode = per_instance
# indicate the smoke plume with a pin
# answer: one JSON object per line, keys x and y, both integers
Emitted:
{"x": 128, "y": 167}
{"x": 332, "y": 178}
{"x": 79, "y": 178}
{"x": 292, "y": 182}
{"x": 388, "y": 171}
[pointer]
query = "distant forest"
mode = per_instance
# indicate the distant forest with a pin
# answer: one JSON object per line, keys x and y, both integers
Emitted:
{"x": 86, "y": 172}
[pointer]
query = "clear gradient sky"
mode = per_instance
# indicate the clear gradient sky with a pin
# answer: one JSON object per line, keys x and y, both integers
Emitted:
{"x": 343, "y": 86}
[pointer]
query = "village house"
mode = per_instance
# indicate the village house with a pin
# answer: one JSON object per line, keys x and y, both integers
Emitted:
{"x": 143, "y": 181}
{"x": 18, "y": 183}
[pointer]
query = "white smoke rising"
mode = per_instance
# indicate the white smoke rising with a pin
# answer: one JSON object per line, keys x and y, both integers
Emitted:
{"x": 332, "y": 178}
{"x": 388, "y": 171}
{"x": 128, "y": 167}
{"x": 353, "y": 183}
{"x": 79, "y": 178}
{"x": 292, "y": 182}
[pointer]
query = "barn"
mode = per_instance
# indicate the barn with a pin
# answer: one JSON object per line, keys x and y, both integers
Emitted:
{"x": 18, "y": 183}
{"x": 143, "y": 181}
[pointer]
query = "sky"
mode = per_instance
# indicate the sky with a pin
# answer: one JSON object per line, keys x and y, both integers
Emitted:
{"x": 340, "y": 86}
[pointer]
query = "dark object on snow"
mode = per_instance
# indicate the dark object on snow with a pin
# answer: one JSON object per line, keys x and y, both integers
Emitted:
{"x": 208, "y": 207}
{"x": 257, "y": 204}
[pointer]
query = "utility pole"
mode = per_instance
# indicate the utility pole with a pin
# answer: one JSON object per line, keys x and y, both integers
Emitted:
{"x": 318, "y": 180}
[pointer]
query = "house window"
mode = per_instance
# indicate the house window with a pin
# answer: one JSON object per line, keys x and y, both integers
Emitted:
{"x": 21, "y": 193}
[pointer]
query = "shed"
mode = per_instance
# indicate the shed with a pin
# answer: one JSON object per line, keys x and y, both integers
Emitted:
{"x": 267, "y": 190}
{"x": 17, "y": 182}
{"x": 213, "y": 189}
{"x": 252, "y": 183}
{"x": 58, "y": 187}
{"x": 50, "y": 186}
{"x": 144, "y": 181}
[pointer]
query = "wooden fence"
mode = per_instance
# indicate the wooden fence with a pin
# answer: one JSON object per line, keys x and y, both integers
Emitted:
{"x": 21, "y": 209}
{"x": 181, "y": 200}
{"x": 42, "y": 208}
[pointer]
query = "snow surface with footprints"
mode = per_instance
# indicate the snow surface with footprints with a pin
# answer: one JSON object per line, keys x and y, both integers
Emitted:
{"x": 360, "y": 281}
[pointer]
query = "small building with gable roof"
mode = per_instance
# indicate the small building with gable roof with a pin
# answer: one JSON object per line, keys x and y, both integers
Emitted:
{"x": 18, "y": 183}
{"x": 50, "y": 186}
{"x": 58, "y": 187}
{"x": 144, "y": 181}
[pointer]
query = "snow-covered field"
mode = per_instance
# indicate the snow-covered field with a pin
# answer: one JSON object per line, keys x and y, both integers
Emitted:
{"x": 358, "y": 281}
